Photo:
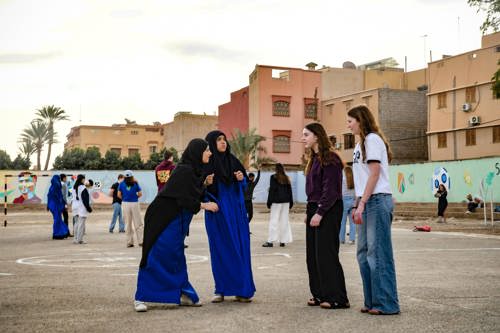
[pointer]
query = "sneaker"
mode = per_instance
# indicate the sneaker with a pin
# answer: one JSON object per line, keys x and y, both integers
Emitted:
{"x": 218, "y": 298}
{"x": 282, "y": 244}
{"x": 267, "y": 244}
{"x": 140, "y": 306}
{"x": 111, "y": 231}
{"x": 186, "y": 301}
{"x": 82, "y": 242}
{"x": 122, "y": 230}
{"x": 130, "y": 245}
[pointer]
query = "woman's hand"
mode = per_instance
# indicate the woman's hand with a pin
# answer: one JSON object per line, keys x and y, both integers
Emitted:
{"x": 210, "y": 206}
{"x": 357, "y": 213}
{"x": 315, "y": 221}
{"x": 209, "y": 180}
{"x": 239, "y": 175}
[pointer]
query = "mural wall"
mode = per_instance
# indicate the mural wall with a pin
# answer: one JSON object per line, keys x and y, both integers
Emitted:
{"x": 410, "y": 182}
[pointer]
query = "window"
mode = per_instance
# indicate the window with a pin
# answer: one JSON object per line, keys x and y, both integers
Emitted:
{"x": 133, "y": 151}
{"x": 134, "y": 132}
{"x": 441, "y": 100}
{"x": 310, "y": 108}
{"x": 470, "y": 137}
{"x": 496, "y": 134}
{"x": 442, "y": 140}
{"x": 117, "y": 151}
{"x": 152, "y": 149}
{"x": 470, "y": 95}
{"x": 281, "y": 106}
{"x": 348, "y": 141}
{"x": 281, "y": 141}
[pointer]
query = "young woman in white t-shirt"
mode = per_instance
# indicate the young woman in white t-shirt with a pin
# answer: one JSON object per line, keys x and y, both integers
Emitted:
{"x": 373, "y": 213}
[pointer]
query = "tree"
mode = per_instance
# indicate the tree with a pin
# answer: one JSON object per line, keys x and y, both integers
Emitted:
{"x": 27, "y": 149}
{"x": 492, "y": 8}
{"x": 496, "y": 82}
{"x": 246, "y": 146}
{"x": 92, "y": 159}
{"x": 73, "y": 159}
{"x": 51, "y": 114}
{"x": 21, "y": 163}
{"x": 5, "y": 161}
{"x": 37, "y": 133}
{"x": 157, "y": 158}
{"x": 133, "y": 162}
{"x": 112, "y": 161}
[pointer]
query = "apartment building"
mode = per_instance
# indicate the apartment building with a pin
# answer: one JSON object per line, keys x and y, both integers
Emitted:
{"x": 187, "y": 126}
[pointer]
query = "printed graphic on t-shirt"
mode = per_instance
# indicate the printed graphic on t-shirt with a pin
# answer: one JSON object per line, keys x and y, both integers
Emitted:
{"x": 163, "y": 175}
{"x": 356, "y": 156}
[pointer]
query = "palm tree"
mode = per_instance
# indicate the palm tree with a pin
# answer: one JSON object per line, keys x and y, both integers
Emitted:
{"x": 246, "y": 146}
{"x": 38, "y": 134}
{"x": 27, "y": 148}
{"x": 51, "y": 114}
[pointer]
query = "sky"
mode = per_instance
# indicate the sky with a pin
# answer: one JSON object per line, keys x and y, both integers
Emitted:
{"x": 106, "y": 60}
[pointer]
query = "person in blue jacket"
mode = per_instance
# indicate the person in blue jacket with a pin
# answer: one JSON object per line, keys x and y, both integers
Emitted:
{"x": 228, "y": 229}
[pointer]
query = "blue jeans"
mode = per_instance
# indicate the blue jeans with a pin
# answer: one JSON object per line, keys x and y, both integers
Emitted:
{"x": 375, "y": 258}
{"x": 348, "y": 203}
{"x": 117, "y": 213}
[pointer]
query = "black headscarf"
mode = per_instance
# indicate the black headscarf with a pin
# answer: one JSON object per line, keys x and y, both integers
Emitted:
{"x": 183, "y": 190}
{"x": 223, "y": 165}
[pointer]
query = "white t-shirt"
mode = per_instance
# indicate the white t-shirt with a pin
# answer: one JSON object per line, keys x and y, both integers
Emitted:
{"x": 375, "y": 151}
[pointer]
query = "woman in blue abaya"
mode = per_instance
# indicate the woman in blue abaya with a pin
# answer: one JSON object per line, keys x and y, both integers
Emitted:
{"x": 228, "y": 229}
{"x": 163, "y": 276}
{"x": 56, "y": 204}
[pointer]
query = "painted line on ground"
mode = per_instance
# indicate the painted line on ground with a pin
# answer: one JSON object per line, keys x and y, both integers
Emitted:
{"x": 6, "y": 274}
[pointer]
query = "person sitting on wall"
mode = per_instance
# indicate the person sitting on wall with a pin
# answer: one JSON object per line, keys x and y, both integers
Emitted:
{"x": 473, "y": 203}
{"x": 27, "y": 186}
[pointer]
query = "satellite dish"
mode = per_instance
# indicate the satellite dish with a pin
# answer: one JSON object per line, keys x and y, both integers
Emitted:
{"x": 349, "y": 64}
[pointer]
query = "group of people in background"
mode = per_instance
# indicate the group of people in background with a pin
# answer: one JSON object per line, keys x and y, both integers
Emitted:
{"x": 211, "y": 178}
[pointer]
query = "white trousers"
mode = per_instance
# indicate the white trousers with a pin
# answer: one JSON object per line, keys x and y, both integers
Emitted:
{"x": 279, "y": 225}
{"x": 133, "y": 222}
{"x": 79, "y": 229}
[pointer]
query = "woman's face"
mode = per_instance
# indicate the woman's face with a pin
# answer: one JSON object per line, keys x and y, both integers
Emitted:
{"x": 309, "y": 138}
{"x": 206, "y": 155}
{"x": 221, "y": 143}
{"x": 353, "y": 125}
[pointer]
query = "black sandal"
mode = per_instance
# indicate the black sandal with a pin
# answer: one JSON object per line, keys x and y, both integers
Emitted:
{"x": 313, "y": 302}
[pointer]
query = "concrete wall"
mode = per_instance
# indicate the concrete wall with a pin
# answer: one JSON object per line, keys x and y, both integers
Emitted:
{"x": 403, "y": 118}
{"x": 341, "y": 81}
{"x": 187, "y": 126}
{"x": 410, "y": 182}
{"x": 234, "y": 115}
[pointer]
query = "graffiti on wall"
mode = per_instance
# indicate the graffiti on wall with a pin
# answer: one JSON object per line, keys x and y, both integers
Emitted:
{"x": 401, "y": 183}
{"x": 440, "y": 177}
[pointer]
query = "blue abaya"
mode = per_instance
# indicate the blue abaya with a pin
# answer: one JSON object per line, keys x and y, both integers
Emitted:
{"x": 55, "y": 203}
{"x": 229, "y": 241}
{"x": 164, "y": 277}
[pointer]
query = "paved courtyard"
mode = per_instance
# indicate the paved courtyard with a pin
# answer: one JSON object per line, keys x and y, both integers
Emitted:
{"x": 447, "y": 282}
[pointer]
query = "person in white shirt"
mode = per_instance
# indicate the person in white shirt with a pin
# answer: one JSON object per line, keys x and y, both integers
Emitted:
{"x": 373, "y": 213}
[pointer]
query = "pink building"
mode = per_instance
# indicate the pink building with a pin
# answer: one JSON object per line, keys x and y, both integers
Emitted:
{"x": 282, "y": 101}
{"x": 234, "y": 114}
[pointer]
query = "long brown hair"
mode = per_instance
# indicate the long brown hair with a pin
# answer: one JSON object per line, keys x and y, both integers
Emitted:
{"x": 280, "y": 174}
{"x": 326, "y": 154}
{"x": 349, "y": 177}
{"x": 367, "y": 125}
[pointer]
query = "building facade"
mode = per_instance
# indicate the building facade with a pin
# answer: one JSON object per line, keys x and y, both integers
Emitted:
{"x": 187, "y": 126}
{"x": 124, "y": 139}
{"x": 401, "y": 114}
{"x": 234, "y": 114}
{"x": 282, "y": 101}
{"x": 464, "y": 114}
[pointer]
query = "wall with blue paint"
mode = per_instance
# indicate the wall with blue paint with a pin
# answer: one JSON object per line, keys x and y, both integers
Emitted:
{"x": 410, "y": 182}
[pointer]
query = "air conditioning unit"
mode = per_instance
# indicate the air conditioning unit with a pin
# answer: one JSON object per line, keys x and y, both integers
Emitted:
{"x": 474, "y": 120}
{"x": 338, "y": 145}
{"x": 466, "y": 107}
